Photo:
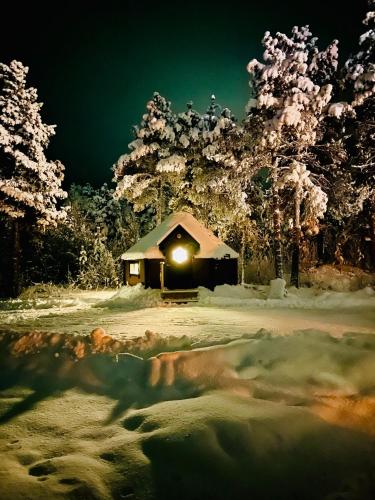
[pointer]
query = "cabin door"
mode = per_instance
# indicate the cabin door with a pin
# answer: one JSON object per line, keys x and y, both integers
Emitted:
{"x": 178, "y": 276}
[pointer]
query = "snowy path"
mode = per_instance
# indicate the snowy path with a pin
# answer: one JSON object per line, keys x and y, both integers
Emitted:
{"x": 202, "y": 322}
{"x": 218, "y": 323}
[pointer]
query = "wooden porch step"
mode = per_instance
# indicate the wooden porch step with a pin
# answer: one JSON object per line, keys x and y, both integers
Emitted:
{"x": 190, "y": 295}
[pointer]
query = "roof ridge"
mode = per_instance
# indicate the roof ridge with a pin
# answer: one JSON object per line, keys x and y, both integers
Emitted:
{"x": 211, "y": 246}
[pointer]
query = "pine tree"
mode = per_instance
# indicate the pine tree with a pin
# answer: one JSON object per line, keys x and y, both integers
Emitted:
{"x": 146, "y": 175}
{"x": 30, "y": 185}
{"x": 347, "y": 149}
{"x": 290, "y": 94}
{"x": 209, "y": 184}
{"x": 360, "y": 67}
{"x": 359, "y": 79}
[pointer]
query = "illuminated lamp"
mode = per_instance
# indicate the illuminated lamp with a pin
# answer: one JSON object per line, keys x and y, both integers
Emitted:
{"x": 180, "y": 255}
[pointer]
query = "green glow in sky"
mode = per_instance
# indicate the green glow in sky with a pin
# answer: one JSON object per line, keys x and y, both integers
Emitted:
{"x": 96, "y": 65}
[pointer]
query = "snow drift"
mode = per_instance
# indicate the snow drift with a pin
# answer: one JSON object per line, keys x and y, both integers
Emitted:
{"x": 261, "y": 417}
{"x": 343, "y": 279}
{"x": 133, "y": 297}
{"x": 258, "y": 296}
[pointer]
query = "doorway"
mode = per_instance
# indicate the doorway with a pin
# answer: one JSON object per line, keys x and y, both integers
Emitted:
{"x": 178, "y": 276}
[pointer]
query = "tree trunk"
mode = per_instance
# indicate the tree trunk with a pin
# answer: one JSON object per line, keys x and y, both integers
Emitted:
{"x": 243, "y": 258}
{"x": 320, "y": 247}
{"x": 4, "y": 260}
{"x": 294, "y": 275}
{"x": 16, "y": 260}
{"x": 276, "y": 216}
{"x": 160, "y": 206}
{"x": 372, "y": 237}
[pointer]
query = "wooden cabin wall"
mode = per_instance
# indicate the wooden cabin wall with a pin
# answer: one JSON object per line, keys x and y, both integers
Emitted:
{"x": 226, "y": 271}
{"x": 206, "y": 272}
{"x": 212, "y": 272}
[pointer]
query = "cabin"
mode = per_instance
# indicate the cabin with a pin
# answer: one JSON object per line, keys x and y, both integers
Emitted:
{"x": 180, "y": 254}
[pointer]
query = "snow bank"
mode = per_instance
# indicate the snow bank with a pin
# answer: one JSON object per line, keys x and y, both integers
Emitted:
{"x": 48, "y": 303}
{"x": 133, "y": 297}
{"x": 62, "y": 346}
{"x": 13, "y": 311}
{"x": 344, "y": 279}
{"x": 263, "y": 417}
{"x": 224, "y": 446}
{"x": 33, "y": 305}
{"x": 235, "y": 292}
{"x": 309, "y": 363}
{"x": 308, "y": 360}
{"x": 254, "y": 296}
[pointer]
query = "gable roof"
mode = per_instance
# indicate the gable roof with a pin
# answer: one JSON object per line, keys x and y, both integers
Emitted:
{"x": 211, "y": 247}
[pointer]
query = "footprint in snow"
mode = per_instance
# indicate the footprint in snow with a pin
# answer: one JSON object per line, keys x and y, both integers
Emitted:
{"x": 42, "y": 469}
{"x": 14, "y": 444}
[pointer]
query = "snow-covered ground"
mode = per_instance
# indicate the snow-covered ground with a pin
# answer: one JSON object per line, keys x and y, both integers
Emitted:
{"x": 276, "y": 417}
{"x": 227, "y": 313}
{"x": 271, "y": 398}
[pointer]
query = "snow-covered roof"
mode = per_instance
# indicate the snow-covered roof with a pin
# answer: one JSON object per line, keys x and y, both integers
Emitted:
{"x": 211, "y": 247}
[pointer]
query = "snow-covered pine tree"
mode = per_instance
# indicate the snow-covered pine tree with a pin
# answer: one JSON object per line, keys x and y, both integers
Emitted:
{"x": 306, "y": 193}
{"x": 290, "y": 94}
{"x": 360, "y": 67}
{"x": 213, "y": 191}
{"x": 188, "y": 130}
{"x": 348, "y": 143}
{"x": 359, "y": 79}
{"x": 216, "y": 181}
{"x": 146, "y": 175}
{"x": 30, "y": 185}
{"x": 99, "y": 208}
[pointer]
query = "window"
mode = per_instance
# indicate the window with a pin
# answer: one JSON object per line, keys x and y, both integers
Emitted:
{"x": 134, "y": 268}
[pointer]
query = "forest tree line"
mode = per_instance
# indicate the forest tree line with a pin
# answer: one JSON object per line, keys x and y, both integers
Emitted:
{"x": 290, "y": 184}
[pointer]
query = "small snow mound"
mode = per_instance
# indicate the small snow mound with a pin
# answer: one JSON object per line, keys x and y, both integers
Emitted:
{"x": 132, "y": 296}
{"x": 277, "y": 289}
{"x": 232, "y": 291}
{"x": 230, "y": 295}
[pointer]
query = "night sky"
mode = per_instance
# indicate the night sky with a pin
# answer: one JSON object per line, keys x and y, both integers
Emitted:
{"x": 96, "y": 64}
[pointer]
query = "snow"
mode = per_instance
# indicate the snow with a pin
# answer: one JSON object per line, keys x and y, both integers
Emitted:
{"x": 300, "y": 178}
{"x": 210, "y": 246}
{"x": 288, "y": 96}
{"x": 67, "y": 302}
{"x": 272, "y": 297}
{"x": 224, "y": 314}
{"x": 236, "y": 395}
{"x": 277, "y": 289}
{"x": 266, "y": 416}
{"x": 174, "y": 163}
{"x": 338, "y": 109}
{"x": 132, "y": 296}
{"x": 360, "y": 66}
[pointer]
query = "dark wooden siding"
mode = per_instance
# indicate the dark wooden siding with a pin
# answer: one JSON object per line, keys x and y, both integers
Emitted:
{"x": 212, "y": 272}
{"x": 205, "y": 272}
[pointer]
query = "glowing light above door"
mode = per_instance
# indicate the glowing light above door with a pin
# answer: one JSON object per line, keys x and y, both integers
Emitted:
{"x": 180, "y": 255}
